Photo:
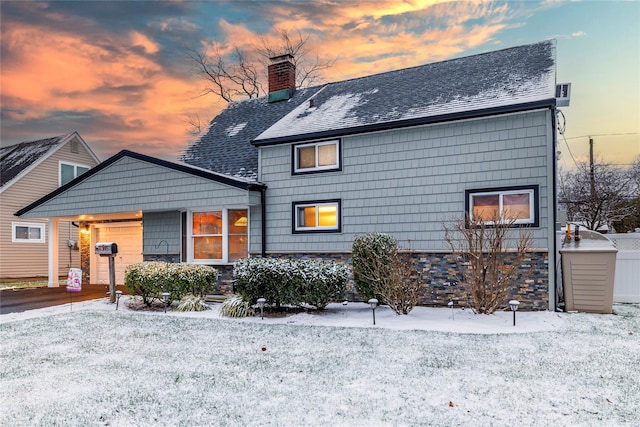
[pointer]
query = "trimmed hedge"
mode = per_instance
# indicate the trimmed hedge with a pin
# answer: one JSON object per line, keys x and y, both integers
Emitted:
{"x": 151, "y": 279}
{"x": 291, "y": 282}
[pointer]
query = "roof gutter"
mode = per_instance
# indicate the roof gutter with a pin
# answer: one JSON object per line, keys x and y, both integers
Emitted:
{"x": 442, "y": 118}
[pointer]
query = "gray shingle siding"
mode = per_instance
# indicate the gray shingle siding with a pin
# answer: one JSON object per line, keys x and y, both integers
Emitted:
{"x": 407, "y": 182}
{"x": 149, "y": 187}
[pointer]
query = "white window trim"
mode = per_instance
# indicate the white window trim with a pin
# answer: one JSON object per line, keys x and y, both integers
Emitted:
{"x": 316, "y": 168}
{"x": 501, "y": 193}
{"x": 299, "y": 229}
{"x": 75, "y": 169}
{"x": 225, "y": 235}
{"x": 42, "y": 228}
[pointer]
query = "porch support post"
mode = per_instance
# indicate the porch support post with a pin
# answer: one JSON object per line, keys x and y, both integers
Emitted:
{"x": 53, "y": 253}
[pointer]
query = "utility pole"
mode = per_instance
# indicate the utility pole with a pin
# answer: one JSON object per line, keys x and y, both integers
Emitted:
{"x": 591, "y": 173}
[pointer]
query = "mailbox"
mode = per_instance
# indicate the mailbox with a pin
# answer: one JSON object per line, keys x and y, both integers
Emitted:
{"x": 106, "y": 248}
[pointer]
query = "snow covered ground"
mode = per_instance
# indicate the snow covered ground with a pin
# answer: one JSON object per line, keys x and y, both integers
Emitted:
{"x": 88, "y": 364}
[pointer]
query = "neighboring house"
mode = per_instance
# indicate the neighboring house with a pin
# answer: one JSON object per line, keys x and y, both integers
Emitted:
{"x": 28, "y": 171}
{"x": 301, "y": 173}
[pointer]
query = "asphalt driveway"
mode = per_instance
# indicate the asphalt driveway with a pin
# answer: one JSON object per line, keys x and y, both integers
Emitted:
{"x": 19, "y": 300}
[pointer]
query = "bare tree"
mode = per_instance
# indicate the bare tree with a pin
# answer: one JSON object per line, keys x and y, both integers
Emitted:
{"x": 309, "y": 67}
{"x": 228, "y": 76}
{"x": 602, "y": 197}
{"x": 489, "y": 260}
{"x": 235, "y": 75}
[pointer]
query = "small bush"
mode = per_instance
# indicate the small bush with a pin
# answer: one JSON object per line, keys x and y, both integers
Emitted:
{"x": 236, "y": 306}
{"x": 291, "y": 282}
{"x": 192, "y": 302}
{"x": 371, "y": 257}
{"x": 380, "y": 272}
{"x": 151, "y": 279}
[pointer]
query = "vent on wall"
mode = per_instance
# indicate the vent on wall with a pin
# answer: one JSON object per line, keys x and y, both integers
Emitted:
{"x": 74, "y": 146}
{"x": 563, "y": 94}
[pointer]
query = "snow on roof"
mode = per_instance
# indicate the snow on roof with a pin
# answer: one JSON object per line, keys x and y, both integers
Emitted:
{"x": 508, "y": 77}
{"x": 15, "y": 159}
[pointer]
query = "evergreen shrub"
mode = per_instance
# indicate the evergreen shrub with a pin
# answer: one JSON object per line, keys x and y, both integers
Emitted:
{"x": 150, "y": 279}
{"x": 291, "y": 282}
{"x": 372, "y": 256}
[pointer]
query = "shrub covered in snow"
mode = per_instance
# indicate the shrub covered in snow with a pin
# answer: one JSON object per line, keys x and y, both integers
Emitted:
{"x": 380, "y": 272}
{"x": 291, "y": 282}
{"x": 371, "y": 258}
{"x": 151, "y": 279}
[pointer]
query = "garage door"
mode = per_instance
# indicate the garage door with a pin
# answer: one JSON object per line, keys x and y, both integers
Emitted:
{"x": 129, "y": 240}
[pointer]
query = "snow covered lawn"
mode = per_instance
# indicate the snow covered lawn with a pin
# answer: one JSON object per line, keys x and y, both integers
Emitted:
{"x": 89, "y": 365}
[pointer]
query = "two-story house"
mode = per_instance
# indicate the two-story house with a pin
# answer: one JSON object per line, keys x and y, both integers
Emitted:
{"x": 28, "y": 171}
{"x": 300, "y": 173}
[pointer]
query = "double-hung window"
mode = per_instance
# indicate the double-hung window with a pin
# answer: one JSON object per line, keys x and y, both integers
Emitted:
{"x": 512, "y": 204}
{"x": 69, "y": 171}
{"x": 316, "y": 157}
{"x": 219, "y": 235}
{"x": 27, "y": 232}
{"x": 318, "y": 216}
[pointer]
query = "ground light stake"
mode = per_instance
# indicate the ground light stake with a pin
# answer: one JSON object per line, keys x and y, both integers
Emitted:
{"x": 450, "y": 304}
{"x": 373, "y": 303}
{"x": 118, "y": 295}
{"x": 261, "y": 303}
{"x": 165, "y": 299}
{"x": 514, "y": 307}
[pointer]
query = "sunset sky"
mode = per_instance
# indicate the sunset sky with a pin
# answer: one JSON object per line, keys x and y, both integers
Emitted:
{"x": 118, "y": 72}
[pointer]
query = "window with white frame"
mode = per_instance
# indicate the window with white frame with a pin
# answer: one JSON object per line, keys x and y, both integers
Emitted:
{"x": 69, "y": 171}
{"x": 219, "y": 235}
{"x": 316, "y": 157}
{"x": 517, "y": 204}
{"x": 27, "y": 232}
{"x": 319, "y": 216}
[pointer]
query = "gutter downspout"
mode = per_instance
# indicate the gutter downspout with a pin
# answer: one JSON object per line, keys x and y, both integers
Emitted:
{"x": 263, "y": 224}
{"x": 553, "y": 273}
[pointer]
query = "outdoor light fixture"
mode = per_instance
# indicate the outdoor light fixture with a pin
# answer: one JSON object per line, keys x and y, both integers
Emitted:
{"x": 118, "y": 295}
{"x": 165, "y": 299}
{"x": 514, "y": 307}
{"x": 450, "y": 304}
{"x": 261, "y": 302}
{"x": 373, "y": 303}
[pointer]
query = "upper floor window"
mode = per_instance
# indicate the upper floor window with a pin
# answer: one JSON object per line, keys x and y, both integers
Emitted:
{"x": 219, "y": 236}
{"x": 69, "y": 171}
{"x": 320, "y": 216}
{"x": 316, "y": 156}
{"x": 517, "y": 204}
{"x": 27, "y": 232}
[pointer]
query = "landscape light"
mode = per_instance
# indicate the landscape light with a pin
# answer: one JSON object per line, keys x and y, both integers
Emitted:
{"x": 165, "y": 299}
{"x": 373, "y": 303}
{"x": 261, "y": 303}
{"x": 514, "y": 307}
{"x": 450, "y": 304}
{"x": 118, "y": 295}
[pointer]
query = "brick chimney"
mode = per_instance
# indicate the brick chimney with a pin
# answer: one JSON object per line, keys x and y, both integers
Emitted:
{"x": 282, "y": 78}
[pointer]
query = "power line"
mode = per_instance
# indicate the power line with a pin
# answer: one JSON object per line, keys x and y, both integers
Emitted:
{"x": 604, "y": 134}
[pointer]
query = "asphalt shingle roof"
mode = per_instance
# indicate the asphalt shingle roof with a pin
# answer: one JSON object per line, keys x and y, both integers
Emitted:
{"x": 508, "y": 78}
{"x": 16, "y": 158}
{"x": 226, "y": 148}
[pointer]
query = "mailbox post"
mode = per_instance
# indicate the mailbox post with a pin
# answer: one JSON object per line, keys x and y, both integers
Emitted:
{"x": 109, "y": 249}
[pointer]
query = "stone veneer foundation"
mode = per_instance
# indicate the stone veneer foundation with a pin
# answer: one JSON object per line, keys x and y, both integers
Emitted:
{"x": 438, "y": 271}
